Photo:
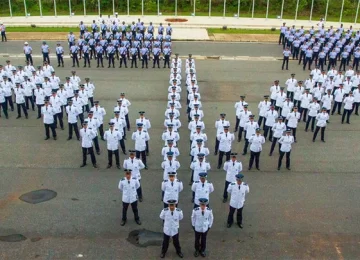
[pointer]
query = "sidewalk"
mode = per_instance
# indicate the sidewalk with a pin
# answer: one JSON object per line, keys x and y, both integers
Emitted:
{"x": 192, "y": 21}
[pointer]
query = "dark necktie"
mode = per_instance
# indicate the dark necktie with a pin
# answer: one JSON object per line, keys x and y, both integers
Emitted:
{"x": 172, "y": 184}
{"x": 203, "y": 185}
{"x": 239, "y": 187}
{"x": 233, "y": 164}
{"x": 129, "y": 182}
{"x": 226, "y": 135}
{"x": 172, "y": 213}
{"x": 199, "y": 149}
{"x": 202, "y": 213}
{"x": 170, "y": 164}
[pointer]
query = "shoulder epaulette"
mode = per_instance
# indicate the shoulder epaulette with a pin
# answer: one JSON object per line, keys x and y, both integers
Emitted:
{"x": 133, "y": 178}
{"x": 144, "y": 131}
{"x": 209, "y": 182}
{"x": 123, "y": 179}
{"x": 197, "y": 208}
{"x": 233, "y": 183}
{"x": 245, "y": 183}
{"x": 166, "y": 180}
{"x": 196, "y": 181}
{"x": 178, "y": 180}
{"x": 178, "y": 209}
{"x": 166, "y": 208}
{"x": 208, "y": 208}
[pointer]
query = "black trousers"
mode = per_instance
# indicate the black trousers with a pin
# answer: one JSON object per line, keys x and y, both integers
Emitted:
{"x": 90, "y": 150}
{"x": 308, "y": 61}
{"x": 139, "y": 191}
{"x": 357, "y": 108}
{"x": 143, "y": 156}
{"x": 332, "y": 62}
{"x": 312, "y": 119}
{"x": 4, "y": 107}
{"x": 101, "y": 130}
{"x": 347, "y": 113}
{"x": 281, "y": 38}
{"x": 342, "y": 63}
{"x": 237, "y": 123}
{"x": 156, "y": 61}
{"x": 10, "y": 102}
{"x": 134, "y": 209}
{"x": 122, "y": 145}
{"x": 75, "y": 59}
{"x": 117, "y": 159}
{"x": 23, "y": 107}
{"x": 267, "y": 129}
{"x": 302, "y": 56}
{"x": 47, "y": 130}
{"x": 221, "y": 154}
{"x": 91, "y": 99}
{"x": 167, "y": 61}
{"x": 321, "y": 63}
{"x": 217, "y": 142}
{"x": 59, "y": 116}
{"x": 123, "y": 59}
{"x": 39, "y": 110}
{"x": 96, "y": 144}
{"x": 356, "y": 63}
{"x": 287, "y": 159}
{"x": 254, "y": 156}
{"x": 338, "y": 106}
{"x": 238, "y": 215}
{"x": 111, "y": 60}
{"x": 240, "y": 134}
{"x": 100, "y": 59}
{"x": 296, "y": 52}
{"x": 246, "y": 145}
{"x": 225, "y": 196}
{"x": 46, "y": 57}
{"x": 81, "y": 117}
{"x": 289, "y": 94}
{"x": 285, "y": 60}
{"x": 144, "y": 60}
{"x": 293, "y": 129}
{"x": 60, "y": 59}
{"x": 273, "y": 144}
{"x": 76, "y": 130}
{"x": 86, "y": 59}
{"x": 28, "y": 58}
{"x": 261, "y": 118}
{"x": 322, "y": 133}
{"x": 3, "y": 37}
{"x": 31, "y": 99}
{"x": 176, "y": 242}
{"x": 303, "y": 113}
{"x": 133, "y": 61}
{"x": 200, "y": 241}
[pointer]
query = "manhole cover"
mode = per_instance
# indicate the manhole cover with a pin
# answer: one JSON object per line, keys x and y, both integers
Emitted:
{"x": 38, "y": 196}
{"x": 13, "y": 238}
{"x": 144, "y": 238}
{"x": 176, "y": 20}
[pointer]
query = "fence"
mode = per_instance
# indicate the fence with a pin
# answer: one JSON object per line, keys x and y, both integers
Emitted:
{"x": 330, "y": 10}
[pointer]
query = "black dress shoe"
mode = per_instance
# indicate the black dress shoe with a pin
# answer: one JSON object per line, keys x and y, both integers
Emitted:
{"x": 203, "y": 254}
{"x": 118, "y": 166}
{"x": 83, "y": 165}
{"x": 219, "y": 167}
{"x": 249, "y": 168}
{"x": 147, "y": 153}
{"x": 98, "y": 152}
{"x": 69, "y": 138}
{"x": 47, "y": 138}
{"x": 323, "y": 141}
{"x": 192, "y": 200}
{"x": 179, "y": 253}
{"x": 215, "y": 153}
{"x": 278, "y": 168}
{"x": 240, "y": 225}
{"x": 55, "y": 138}
{"x": 313, "y": 140}
{"x": 224, "y": 200}
{"x": 229, "y": 225}
{"x": 243, "y": 153}
{"x": 18, "y": 117}
{"x": 196, "y": 253}
{"x": 109, "y": 166}
{"x": 258, "y": 168}
{"x": 270, "y": 154}
{"x": 162, "y": 255}
{"x": 138, "y": 222}
{"x": 94, "y": 165}
{"x": 288, "y": 168}
{"x": 124, "y": 153}
{"x": 123, "y": 222}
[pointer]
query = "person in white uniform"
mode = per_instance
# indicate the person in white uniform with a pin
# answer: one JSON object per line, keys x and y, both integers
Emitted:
{"x": 286, "y": 141}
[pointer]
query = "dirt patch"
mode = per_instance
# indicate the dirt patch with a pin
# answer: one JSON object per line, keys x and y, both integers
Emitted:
{"x": 176, "y": 20}
{"x": 245, "y": 37}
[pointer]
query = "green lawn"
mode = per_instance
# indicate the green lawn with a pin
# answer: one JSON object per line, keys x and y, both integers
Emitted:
{"x": 42, "y": 29}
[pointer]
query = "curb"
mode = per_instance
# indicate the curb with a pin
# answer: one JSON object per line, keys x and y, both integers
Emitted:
{"x": 196, "y": 57}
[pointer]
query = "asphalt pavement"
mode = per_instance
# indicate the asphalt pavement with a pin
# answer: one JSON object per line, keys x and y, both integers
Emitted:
{"x": 197, "y": 48}
{"x": 310, "y": 212}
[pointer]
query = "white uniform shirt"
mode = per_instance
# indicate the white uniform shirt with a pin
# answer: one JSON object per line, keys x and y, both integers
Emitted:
{"x": 193, "y": 124}
{"x": 28, "y": 87}
{"x": 286, "y": 108}
{"x": 232, "y": 168}
{"x": 202, "y": 220}
{"x": 238, "y": 193}
{"x": 90, "y": 88}
{"x": 72, "y": 113}
{"x": 244, "y": 117}
{"x": 286, "y": 142}
{"x": 348, "y": 102}
{"x": 271, "y": 117}
{"x": 56, "y": 103}
{"x": 19, "y": 95}
{"x": 278, "y": 129}
{"x": 291, "y": 84}
{"x": 293, "y": 119}
{"x": 99, "y": 113}
{"x": 128, "y": 189}
{"x": 202, "y": 190}
{"x": 264, "y": 106}
{"x": 339, "y": 95}
{"x": 175, "y": 122}
{"x": 239, "y": 106}
{"x": 327, "y": 101}
{"x": 87, "y": 136}
{"x": 321, "y": 119}
{"x": 135, "y": 165}
{"x": 256, "y": 142}
{"x": 280, "y": 99}
{"x": 250, "y": 129}
{"x": 195, "y": 150}
{"x": 305, "y": 100}
{"x": 175, "y": 111}
{"x": 225, "y": 141}
{"x": 219, "y": 125}
{"x": 167, "y": 149}
{"x": 169, "y": 166}
{"x": 298, "y": 92}
{"x": 314, "y": 108}
{"x": 199, "y": 167}
{"x": 356, "y": 94}
{"x": 140, "y": 138}
{"x": 39, "y": 93}
{"x": 48, "y": 113}
{"x": 146, "y": 123}
{"x": 173, "y": 135}
{"x": 171, "y": 189}
{"x": 171, "y": 220}
{"x": 112, "y": 139}
{"x": 274, "y": 90}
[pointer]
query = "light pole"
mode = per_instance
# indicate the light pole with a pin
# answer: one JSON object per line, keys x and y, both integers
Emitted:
{"x": 357, "y": 11}
{"x": 10, "y": 8}
{"x": 342, "y": 9}
{"x": 70, "y": 7}
{"x": 252, "y": 11}
{"x": 327, "y": 7}
{"x": 113, "y": 7}
{"x": 297, "y": 7}
{"x": 267, "y": 9}
{"x": 158, "y": 7}
{"x": 84, "y": 3}
{"x": 194, "y": 7}
{"x": 40, "y": 8}
{"x": 282, "y": 9}
{"x": 25, "y": 8}
{"x": 54, "y": 8}
{"x": 311, "y": 10}
{"x": 175, "y": 7}
{"x": 99, "y": 7}
{"x": 142, "y": 7}
{"x": 128, "y": 10}
{"x": 224, "y": 8}
{"x": 210, "y": 8}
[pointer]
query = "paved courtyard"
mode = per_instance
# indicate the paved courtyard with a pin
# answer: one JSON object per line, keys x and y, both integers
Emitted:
{"x": 310, "y": 212}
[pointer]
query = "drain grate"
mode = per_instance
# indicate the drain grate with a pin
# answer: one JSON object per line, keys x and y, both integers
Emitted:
{"x": 13, "y": 238}
{"x": 144, "y": 238}
{"x": 38, "y": 196}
